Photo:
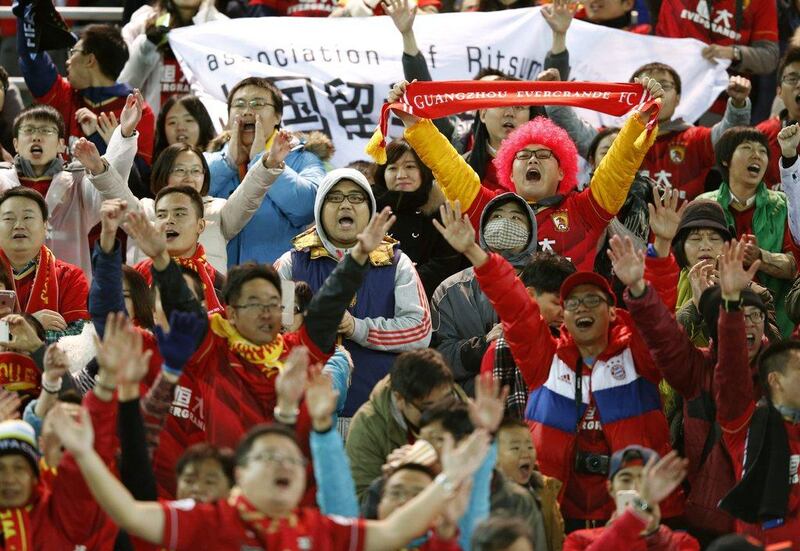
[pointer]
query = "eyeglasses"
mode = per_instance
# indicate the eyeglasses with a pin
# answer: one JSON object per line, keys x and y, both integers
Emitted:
{"x": 525, "y": 154}
{"x": 590, "y": 301}
{"x": 72, "y": 51}
{"x": 354, "y": 198}
{"x": 258, "y": 103}
{"x": 422, "y": 407}
{"x": 28, "y": 130}
{"x": 755, "y": 317}
{"x": 399, "y": 494}
{"x": 791, "y": 79}
{"x": 259, "y": 308}
{"x": 667, "y": 86}
{"x": 278, "y": 459}
{"x": 183, "y": 172}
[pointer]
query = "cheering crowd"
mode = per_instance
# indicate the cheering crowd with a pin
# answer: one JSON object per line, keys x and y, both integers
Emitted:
{"x": 519, "y": 332}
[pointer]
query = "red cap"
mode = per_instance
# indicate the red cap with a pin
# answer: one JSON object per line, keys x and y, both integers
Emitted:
{"x": 586, "y": 278}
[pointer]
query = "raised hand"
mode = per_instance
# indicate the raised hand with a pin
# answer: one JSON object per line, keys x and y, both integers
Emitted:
{"x": 395, "y": 95}
{"x": 321, "y": 399}
{"x": 549, "y": 75}
{"x": 455, "y": 228}
{"x": 150, "y": 238}
{"x": 461, "y": 463}
{"x": 487, "y": 409}
{"x": 732, "y": 275}
{"x": 121, "y": 345}
{"x": 628, "y": 263}
{"x": 259, "y": 138}
{"x": 652, "y": 86}
{"x": 86, "y": 152}
{"x": 131, "y": 113}
{"x": 9, "y": 405}
{"x": 56, "y": 365}
{"x": 558, "y": 15}
{"x": 789, "y": 139}
{"x": 236, "y": 152}
{"x": 752, "y": 251}
{"x": 179, "y": 344}
{"x": 738, "y": 90}
{"x": 131, "y": 374}
{"x": 659, "y": 479}
{"x": 373, "y": 234}
{"x": 701, "y": 278}
{"x": 402, "y": 14}
{"x": 666, "y": 215}
{"x": 23, "y": 335}
{"x": 106, "y": 123}
{"x": 88, "y": 121}
{"x": 291, "y": 381}
{"x": 74, "y": 427}
{"x": 281, "y": 146}
{"x": 348, "y": 325}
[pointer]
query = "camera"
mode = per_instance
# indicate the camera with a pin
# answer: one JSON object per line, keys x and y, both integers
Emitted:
{"x": 591, "y": 463}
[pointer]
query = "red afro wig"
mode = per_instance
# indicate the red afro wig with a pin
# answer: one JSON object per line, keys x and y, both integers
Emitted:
{"x": 540, "y": 130}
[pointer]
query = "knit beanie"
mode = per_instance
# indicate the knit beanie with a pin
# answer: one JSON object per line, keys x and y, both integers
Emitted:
{"x": 700, "y": 213}
{"x": 711, "y": 300}
{"x": 18, "y": 437}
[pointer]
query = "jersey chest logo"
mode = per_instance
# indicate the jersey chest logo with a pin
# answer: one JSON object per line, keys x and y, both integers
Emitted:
{"x": 561, "y": 220}
{"x": 677, "y": 152}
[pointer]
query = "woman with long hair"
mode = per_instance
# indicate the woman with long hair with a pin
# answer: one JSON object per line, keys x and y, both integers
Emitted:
{"x": 183, "y": 119}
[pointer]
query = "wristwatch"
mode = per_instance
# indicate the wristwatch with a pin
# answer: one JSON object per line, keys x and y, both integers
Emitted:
{"x": 731, "y": 305}
{"x": 641, "y": 505}
{"x": 444, "y": 481}
{"x": 737, "y": 54}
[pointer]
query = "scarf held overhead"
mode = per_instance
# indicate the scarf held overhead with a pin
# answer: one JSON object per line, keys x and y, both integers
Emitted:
{"x": 433, "y": 100}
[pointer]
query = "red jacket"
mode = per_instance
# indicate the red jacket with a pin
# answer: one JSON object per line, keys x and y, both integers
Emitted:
{"x": 64, "y": 515}
{"x": 624, "y": 380}
{"x": 624, "y": 533}
{"x": 690, "y": 371}
{"x": 735, "y": 408}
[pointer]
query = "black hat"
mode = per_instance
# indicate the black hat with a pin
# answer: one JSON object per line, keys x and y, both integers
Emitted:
{"x": 710, "y": 302}
{"x": 701, "y": 213}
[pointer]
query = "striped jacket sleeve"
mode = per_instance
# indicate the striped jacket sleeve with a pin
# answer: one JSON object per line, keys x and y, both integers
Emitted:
{"x": 410, "y": 328}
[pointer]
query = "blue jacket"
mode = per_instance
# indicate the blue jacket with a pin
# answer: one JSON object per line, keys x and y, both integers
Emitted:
{"x": 286, "y": 211}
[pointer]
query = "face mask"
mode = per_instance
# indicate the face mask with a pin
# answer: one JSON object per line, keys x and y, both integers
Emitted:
{"x": 502, "y": 234}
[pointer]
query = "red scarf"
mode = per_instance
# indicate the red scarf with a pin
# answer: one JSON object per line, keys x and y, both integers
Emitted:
{"x": 198, "y": 264}
{"x": 44, "y": 293}
{"x": 17, "y": 529}
{"x": 255, "y": 520}
{"x": 433, "y": 100}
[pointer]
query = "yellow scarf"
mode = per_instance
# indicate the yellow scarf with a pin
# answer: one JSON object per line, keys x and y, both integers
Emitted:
{"x": 266, "y": 356}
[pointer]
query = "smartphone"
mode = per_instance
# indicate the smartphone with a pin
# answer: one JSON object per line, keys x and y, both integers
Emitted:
{"x": 8, "y": 299}
{"x": 624, "y": 498}
{"x": 4, "y": 335}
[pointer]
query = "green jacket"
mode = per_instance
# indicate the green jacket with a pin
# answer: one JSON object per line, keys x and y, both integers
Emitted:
{"x": 377, "y": 429}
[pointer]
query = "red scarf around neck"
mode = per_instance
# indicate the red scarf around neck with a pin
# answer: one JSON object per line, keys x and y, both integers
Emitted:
{"x": 17, "y": 529}
{"x": 433, "y": 100}
{"x": 44, "y": 293}
{"x": 198, "y": 264}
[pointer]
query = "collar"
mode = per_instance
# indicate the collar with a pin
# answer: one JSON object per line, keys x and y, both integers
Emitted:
{"x": 736, "y": 202}
{"x": 25, "y": 168}
{"x": 397, "y": 415}
{"x": 98, "y": 95}
{"x": 310, "y": 241}
{"x": 789, "y": 413}
{"x": 620, "y": 22}
{"x": 27, "y": 269}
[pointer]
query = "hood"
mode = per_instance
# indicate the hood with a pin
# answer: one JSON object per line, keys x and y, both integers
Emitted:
{"x": 518, "y": 260}
{"x": 330, "y": 180}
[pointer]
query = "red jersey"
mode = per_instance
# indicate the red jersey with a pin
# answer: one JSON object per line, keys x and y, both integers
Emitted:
{"x": 715, "y": 22}
{"x": 72, "y": 293}
{"x": 190, "y": 525}
{"x": 681, "y": 160}
{"x": 67, "y": 101}
{"x": 743, "y": 222}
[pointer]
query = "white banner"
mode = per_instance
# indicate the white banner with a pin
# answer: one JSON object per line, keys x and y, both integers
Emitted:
{"x": 335, "y": 72}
